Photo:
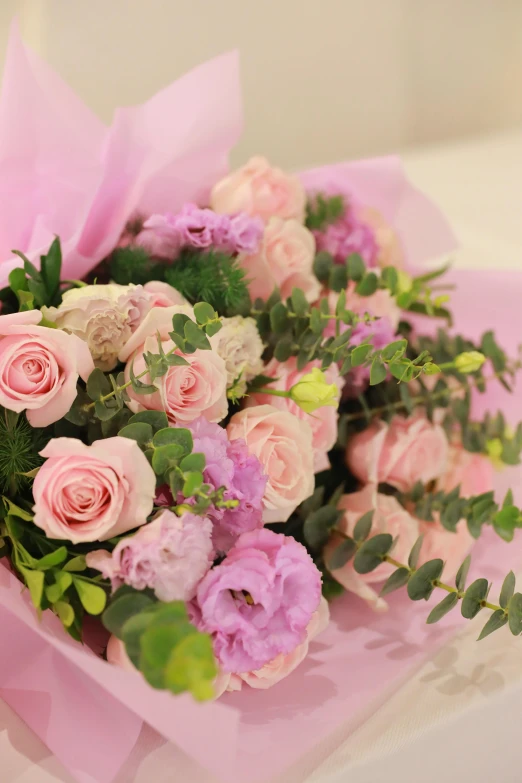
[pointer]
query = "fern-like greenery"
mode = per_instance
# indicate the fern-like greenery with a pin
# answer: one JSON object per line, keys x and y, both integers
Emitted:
{"x": 19, "y": 447}
{"x": 212, "y": 277}
{"x": 134, "y": 265}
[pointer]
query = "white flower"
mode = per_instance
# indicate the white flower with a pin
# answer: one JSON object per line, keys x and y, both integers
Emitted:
{"x": 240, "y": 346}
{"x": 104, "y": 316}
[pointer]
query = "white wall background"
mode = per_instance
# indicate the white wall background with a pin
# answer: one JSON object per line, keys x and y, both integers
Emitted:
{"x": 323, "y": 79}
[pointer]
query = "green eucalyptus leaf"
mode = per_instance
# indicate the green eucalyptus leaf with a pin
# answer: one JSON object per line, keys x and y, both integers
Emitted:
{"x": 372, "y": 552}
{"x": 318, "y": 524}
{"x": 140, "y": 431}
{"x": 98, "y": 385}
{"x": 377, "y": 371}
{"x": 93, "y": 597}
{"x": 342, "y": 554}
{"x": 462, "y": 574}
{"x": 368, "y": 285}
{"x": 442, "y": 608}
{"x": 395, "y": 581}
{"x": 515, "y": 614}
{"x": 194, "y": 461}
{"x": 355, "y": 267}
{"x": 193, "y": 482}
{"x": 122, "y": 608}
{"x": 178, "y": 435}
{"x": 360, "y": 354}
{"x": 156, "y": 419}
{"x": 422, "y": 583}
{"x": 508, "y": 589}
{"x": 473, "y": 597}
{"x": 363, "y": 526}
{"x": 413, "y": 558}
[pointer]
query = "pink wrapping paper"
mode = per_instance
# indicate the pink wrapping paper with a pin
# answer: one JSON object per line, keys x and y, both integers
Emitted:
{"x": 63, "y": 172}
{"x": 381, "y": 183}
{"x": 74, "y": 701}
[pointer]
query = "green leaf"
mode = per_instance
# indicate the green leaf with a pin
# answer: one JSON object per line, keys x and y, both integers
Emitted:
{"x": 342, "y": 554}
{"x": 323, "y": 262}
{"x": 442, "y": 608}
{"x": 157, "y": 419}
{"x": 76, "y": 564}
{"x": 452, "y": 514}
{"x": 98, "y": 385}
{"x": 179, "y": 435}
{"x": 372, "y": 552}
{"x": 363, "y": 526}
{"x": 283, "y": 349}
{"x": 338, "y": 278}
{"x": 193, "y": 482}
{"x": 63, "y": 580}
{"x": 192, "y": 667}
{"x": 138, "y": 386}
{"x": 65, "y": 612}
{"x": 52, "y": 559}
{"x": 318, "y": 524}
{"x": 506, "y": 521}
{"x": 421, "y": 583}
{"x": 398, "y": 579}
{"x": 93, "y": 598}
{"x": 508, "y": 589}
{"x": 279, "y": 320}
{"x": 299, "y": 302}
{"x": 51, "y": 266}
{"x": 194, "y": 461}
{"x": 35, "y": 582}
{"x": 166, "y": 457}
{"x": 515, "y": 614}
{"x": 204, "y": 312}
{"x": 368, "y": 285}
{"x": 462, "y": 574}
{"x": 390, "y": 277}
{"x": 355, "y": 267}
{"x": 377, "y": 371}
{"x": 196, "y": 337}
{"x": 391, "y": 350}
{"x": 140, "y": 431}
{"x": 405, "y": 396}
{"x": 121, "y": 609}
{"x": 496, "y": 621}
{"x": 360, "y": 354}
{"x": 15, "y": 511}
{"x": 104, "y": 412}
{"x": 473, "y": 597}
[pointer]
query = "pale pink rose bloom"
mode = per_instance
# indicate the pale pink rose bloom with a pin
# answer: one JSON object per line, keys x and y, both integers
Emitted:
{"x": 185, "y": 392}
{"x": 39, "y": 368}
{"x": 284, "y": 260}
{"x": 283, "y": 445}
{"x": 158, "y": 321}
{"x": 103, "y": 316}
{"x": 400, "y": 453}
{"x": 381, "y": 304}
{"x": 260, "y": 189}
{"x": 163, "y": 294}
{"x": 390, "y": 251}
{"x": 323, "y": 422}
{"x": 389, "y": 517}
{"x": 449, "y": 546}
{"x": 473, "y": 472}
{"x": 92, "y": 493}
{"x": 282, "y": 665}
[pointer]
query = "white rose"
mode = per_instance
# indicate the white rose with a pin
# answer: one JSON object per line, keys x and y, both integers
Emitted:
{"x": 240, "y": 346}
{"x": 104, "y": 316}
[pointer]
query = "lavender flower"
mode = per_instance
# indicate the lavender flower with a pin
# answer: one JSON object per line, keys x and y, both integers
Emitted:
{"x": 349, "y": 235}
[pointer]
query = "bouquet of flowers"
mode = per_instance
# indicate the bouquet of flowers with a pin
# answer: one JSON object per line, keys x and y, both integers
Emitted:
{"x": 243, "y": 407}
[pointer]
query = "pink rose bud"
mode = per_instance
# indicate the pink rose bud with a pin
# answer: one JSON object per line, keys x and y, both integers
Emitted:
{"x": 92, "y": 493}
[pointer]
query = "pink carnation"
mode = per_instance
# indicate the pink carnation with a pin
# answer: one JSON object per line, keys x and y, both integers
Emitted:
{"x": 259, "y": 601}
{"x": 400, "y": 453}
{"x": 323, "y": 422}
{"x": 170, "y": 555}
{"x": 348, "y": 235}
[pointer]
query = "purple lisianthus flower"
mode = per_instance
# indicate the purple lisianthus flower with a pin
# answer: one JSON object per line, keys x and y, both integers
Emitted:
{"x": 229, "y": 464}
{"x": 160, "y": 236}
{"x": 245, "y": 233}
{"x": 258, "y": 602}
{"x": 170, "y": 555}
{"x": 349, "y": 235}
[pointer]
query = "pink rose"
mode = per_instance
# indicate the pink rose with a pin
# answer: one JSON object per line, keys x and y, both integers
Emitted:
{"x": 389, "y": 517}
{"x": 400, "y": 453}
{"x": 323, "y": 423}
{"x": 92, "y": 493}
{"x": 284, "y": 260}
{"x": 282, "y": 665}
{"x": 184, "y": 392}
{"x": 39, "y": 368}
{"x": 473, "y": 472}
{"x": 283, "y": 445}
{"x": 389, "y": 247}
{"x": 258, "y": 189}
{"x": 452, "y": 547}
{"x": 163, "y": 294}
{"x": 170, "y": 555}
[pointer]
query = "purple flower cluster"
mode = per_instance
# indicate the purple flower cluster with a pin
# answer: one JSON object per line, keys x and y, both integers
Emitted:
{"x": 165, "y": 235}
{"x": 349, "y": 235}
{"x": 229, "y": 464}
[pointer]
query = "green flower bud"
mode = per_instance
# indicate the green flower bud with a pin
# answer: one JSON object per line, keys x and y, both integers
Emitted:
{"x": 312, "y": 392}
{"x": 469, "y": 361}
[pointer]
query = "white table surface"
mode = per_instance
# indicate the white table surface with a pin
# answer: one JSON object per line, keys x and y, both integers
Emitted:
{"x": 423, "y": 731}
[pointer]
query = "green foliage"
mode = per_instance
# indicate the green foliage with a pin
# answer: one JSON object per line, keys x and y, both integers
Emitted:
{"x": 19, "y": 447}
{"x": 372, "y": 552}
{"x": 35, "y": 288}
{"x": 161, "y": 642}
{"x": 212, "y": 277}
{"x": 322, "y": 210}
{"x": 133, "y": 264}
